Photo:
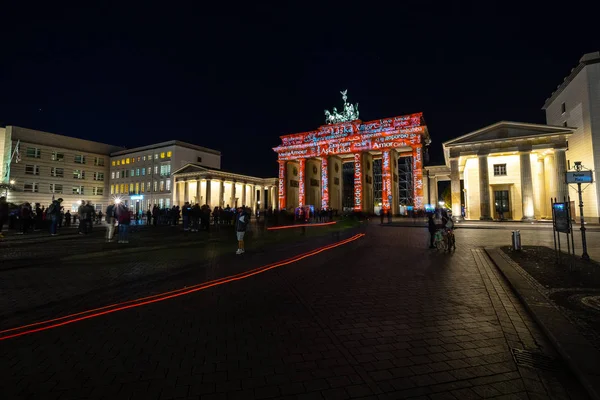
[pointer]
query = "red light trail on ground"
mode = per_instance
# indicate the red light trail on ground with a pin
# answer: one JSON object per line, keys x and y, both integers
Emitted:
{"x": 97, "y": 312}
{"x": 274, "y": 228}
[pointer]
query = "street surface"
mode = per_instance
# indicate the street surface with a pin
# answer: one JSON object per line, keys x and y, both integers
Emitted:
{"x": 381, "y": 317}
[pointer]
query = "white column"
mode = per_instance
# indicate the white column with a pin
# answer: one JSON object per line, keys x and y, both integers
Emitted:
{"x": 526, "y": 186}
{"x": 208, "y": 193}
{"x": 244, "y": 195}
{"x": 562, "y": 189}
{"x": 233, "y": 194}
{"x": 174, "y": 193}
{"x": 540, "y": 198}
{"x": 484, "y": 189}
{"x": 198, "y": 193}
{"x": 455, "y": 189}
{"x": 222, "y": 194}
{"x": 186, "y": 191}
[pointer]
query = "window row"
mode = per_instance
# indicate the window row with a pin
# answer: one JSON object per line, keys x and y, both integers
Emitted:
{"x": 34, "y": 187}
{"x": 132, "y": 160}
{"x": 60, "y": 172}
{"x": 137, "y": 188}
{"x": 34, "y": 152}
{"x": 165, "y": 170}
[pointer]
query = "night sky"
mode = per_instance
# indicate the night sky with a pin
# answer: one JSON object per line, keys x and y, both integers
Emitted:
{"x": 234, "y": 77}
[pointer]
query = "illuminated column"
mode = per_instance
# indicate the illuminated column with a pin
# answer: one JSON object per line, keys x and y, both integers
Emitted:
{"x": 198, "y": 192}
{"x": 358, "y": 194}
{"x": 301, "y": 182}
{"x": 562, "y": 189}
{"x": 417, "y": 171}
{"x": 395, "y": 190}
{"x": 549, "y": 169}
{"x": 526, "y": 186}
{"x": 273, "y": 198}
{"x": 208, "y": 194}
{"x": 324, "y": 183}
{"x": 186, "y": 191}
{"x": 222, "y": 194}
{"x": 253, "y": 197}
{"x": 233, "y": 195}
{"x": 484, "y": 189}
{"x": 455, "y": 188}
{"x": 174, "y": 193}
{"x": 282, "y": 183}
{"x": 244, "y": 195}
{"x": 540, "y": 198}
{"x": 386, "y": 181}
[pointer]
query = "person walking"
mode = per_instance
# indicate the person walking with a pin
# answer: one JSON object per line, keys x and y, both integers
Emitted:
{"x": 124, "y": 219}
{"x": 53, "y": 213}
{"x": 110, "y": 222}
{"x": 432, "y": 228}
{"x": 3, "y": 214}
{"x": 241, "y": 226}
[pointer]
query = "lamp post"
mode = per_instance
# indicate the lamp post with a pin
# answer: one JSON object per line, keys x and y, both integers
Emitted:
{"x": 585, "y": 256}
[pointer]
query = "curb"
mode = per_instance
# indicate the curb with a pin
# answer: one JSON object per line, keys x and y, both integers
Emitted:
{"x": 580, "y": 355}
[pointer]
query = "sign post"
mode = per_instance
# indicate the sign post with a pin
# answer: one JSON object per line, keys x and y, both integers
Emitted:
{"x": 580, "y": 176}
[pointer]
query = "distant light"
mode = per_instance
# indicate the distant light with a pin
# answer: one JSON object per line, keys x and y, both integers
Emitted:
{"x": 79, "y": 202}
{"x": 441, "y": 203}
{"x": 12, "y": 181}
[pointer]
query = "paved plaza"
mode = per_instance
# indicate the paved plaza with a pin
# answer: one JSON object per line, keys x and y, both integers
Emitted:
{"x": 381, "y": 317}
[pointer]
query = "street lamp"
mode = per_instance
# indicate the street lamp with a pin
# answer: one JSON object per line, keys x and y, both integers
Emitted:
{"x": 12, "y": 181}
{"x": 585, "y": 255}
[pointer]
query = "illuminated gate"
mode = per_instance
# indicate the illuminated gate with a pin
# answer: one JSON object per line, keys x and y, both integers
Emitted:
{"x": 311, "y": 163}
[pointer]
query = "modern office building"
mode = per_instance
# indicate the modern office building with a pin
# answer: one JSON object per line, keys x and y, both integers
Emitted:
{"x": 576, "y": 104}
{"x": 41, "y": 165}
{"x": 143, "y": 176}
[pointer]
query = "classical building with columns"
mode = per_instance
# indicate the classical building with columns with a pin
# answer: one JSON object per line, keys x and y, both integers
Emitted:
{"x": 197, "y": 184}
{"x": 508, "y": 169}
{"x": 311, "y": 163}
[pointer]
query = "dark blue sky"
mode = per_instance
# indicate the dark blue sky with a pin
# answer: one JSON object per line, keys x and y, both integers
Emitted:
{"x": 235, "y": 77}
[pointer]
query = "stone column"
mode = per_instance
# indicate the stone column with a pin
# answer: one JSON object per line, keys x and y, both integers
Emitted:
{"x": 222, "y": 194}
{"x": 358, "y": 186}
{"x": 526, "y": 186}
{"x": 455, "y": 189}
{"x": 233, "y": 194}
{"x": 433, "y": 186}
{"x": 186, "y": 191}
{"x": 417, "y": 170}
{"x": 282, "y": 183}
{"x": 324, "y": 183}
{"x": 244, "y": 195}
{"x": 540, "y": 197}
{"x": 386, "y": 181}
{"x": 301, "y": 182}
{"x": 549, "y": 171}
{"x": 562, "y": 189}
{"x": 198, "y": 192}
{"x": 253, "y": 197}
{"x": 208, "y": 193}
{"x": 174, "y": 193}
{"x": 484, "y": 189}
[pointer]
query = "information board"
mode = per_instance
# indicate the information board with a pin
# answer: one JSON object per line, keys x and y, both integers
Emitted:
{"x": 579, "y": 177}
{"x": 561, "y": 217}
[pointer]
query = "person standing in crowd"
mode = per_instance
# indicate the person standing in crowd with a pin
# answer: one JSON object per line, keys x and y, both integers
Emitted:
{"x": 39, "y": 217}
{"x": 25, "y": 217}
{"x": 53, "y": 214}
{"x": 241, "y": 226}
{"x": 110, "y": 222}
{"x": 89, "y": 217}
{"x": 432, "y": 228}
{"x": 81, "y": 215}
{"x": 67, "y": 218}
{"x": 124, "y": 219}
{"x": 148, "y": 217}
{"x": 185, "y": 212}
{"x": 3, "y": 213}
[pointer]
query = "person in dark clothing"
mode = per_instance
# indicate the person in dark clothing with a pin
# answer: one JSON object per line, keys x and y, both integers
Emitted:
{"x": 148, "y": 217}
{"x": 382, "y": 215}
{"x": 68, "y": 219}
{"x": 3, "y": 213}
{"x": 53, "y": 214}
{"x": 432, "y": 228}
{"x": 39, "y": 217}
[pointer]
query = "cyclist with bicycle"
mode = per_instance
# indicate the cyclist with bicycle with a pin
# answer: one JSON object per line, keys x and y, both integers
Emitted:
{"x": 448, "y": 232}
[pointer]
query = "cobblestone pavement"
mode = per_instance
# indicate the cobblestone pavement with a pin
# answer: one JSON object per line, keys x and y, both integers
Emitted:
{"x": 383, "y": 317}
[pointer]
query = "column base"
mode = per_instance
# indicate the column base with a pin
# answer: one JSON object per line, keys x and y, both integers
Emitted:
{"x": 528, "y": 219}
{"x": 486, "y": 219}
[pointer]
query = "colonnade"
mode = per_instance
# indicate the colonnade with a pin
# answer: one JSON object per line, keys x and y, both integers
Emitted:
{"x": 223, "y": 192}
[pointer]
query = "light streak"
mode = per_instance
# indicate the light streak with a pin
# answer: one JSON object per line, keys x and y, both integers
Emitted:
{"x": 273, "y": 228}
{"x": 97, "y": 312}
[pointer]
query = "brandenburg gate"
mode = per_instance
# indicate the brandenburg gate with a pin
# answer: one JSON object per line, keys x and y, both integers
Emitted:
{"x": 311, "y": 163}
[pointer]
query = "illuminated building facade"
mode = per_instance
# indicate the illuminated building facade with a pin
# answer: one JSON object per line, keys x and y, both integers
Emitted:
{"x": 311, "y": 163}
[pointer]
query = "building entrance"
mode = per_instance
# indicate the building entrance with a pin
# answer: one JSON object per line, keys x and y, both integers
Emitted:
{"x": 502, "y": 203}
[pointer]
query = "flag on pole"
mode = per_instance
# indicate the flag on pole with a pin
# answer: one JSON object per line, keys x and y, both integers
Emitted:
{"x": 17, "y": 154}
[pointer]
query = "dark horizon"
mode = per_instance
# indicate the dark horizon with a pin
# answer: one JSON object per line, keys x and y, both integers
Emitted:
{"x": 235, "y": 80}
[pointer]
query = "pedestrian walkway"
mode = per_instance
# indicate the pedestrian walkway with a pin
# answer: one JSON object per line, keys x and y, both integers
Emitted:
{"x": 383, "y": 317}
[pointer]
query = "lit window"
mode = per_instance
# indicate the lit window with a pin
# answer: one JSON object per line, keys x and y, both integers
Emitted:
{"x": 142, "y": 187}
{"x": 122, "y": 188}
{"x": 78, "y": 174}
{"x": 118, "y": 162}
{"x": 56, "y": 188}
{"x": 116, "y": 189}
{"x": 167, "y": 203}
{"x": 143, "y": 171}
{"x": 56, "y": 156}
{"x": 132, "y": 160}
{"x": 144, "y": 158}
{"x": 155, "y": 186}
{"x": 79, "y": 159}
{"x": 169, "y": 153}
{"x": 155, "y": 169}
{"x": 162, "y": 186}
{"x": 499, "y": 169}
{"x": 30, "y": 187}
{"x": 162, "y": 155}
{"x": 78, "y": 190}
{"x": 114, "y": 163}
{"x": 127, "y": 161}
{"x": 32, "y": 169}
{"x": 168, "y": 185}
{"x": 123, "y": 161}
{"x": 112, "y": 175}
{"x": 131, "y": 188}
{"x": 98, "y": 191}
{"x": 57, "y": 172}
{"x": 139, "y": 158}
{"x": 99, "y": 161}
{"x": 112, "y": 189}
{"x": 132, "y": 172}
{"x": 137, "y": 188}
{"x": 33, "y": 152}
{"x": 148, "y": 188}
{"x": 149, "y": 170}
{"x": 98, "y": 176}
{"x": 156, "y": 156}
{"x": 137, "y": 172}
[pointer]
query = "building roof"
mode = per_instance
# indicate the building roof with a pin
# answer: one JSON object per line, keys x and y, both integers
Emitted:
{"x": 166, "y": 144}
{"x": 195, "y": 169}
{"x": 587, "y": 59}
{"x": 59, "y": 141}
{"x": 506, "y": 130}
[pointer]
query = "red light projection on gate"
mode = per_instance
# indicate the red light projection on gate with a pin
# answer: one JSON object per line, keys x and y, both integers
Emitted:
{"x": 407, "y": 134}
{"x": 324, "y": 183}
{"x": 386, "y": 180}
{"x": 301, "y": 193}
{"x": 282, "y": 174}
{"x": 357, "y": 182}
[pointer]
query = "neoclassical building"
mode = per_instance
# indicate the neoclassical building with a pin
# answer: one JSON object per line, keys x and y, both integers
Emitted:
{"x": 508, "y": 168}
{"x": 197, "y": 184}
